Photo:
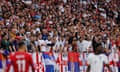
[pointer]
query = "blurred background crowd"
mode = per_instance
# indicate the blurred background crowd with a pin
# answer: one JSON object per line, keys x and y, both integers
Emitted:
{"x": 60, "y": 25}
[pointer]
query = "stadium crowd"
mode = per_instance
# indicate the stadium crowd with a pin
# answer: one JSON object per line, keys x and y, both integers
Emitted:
{"x": 60, "y": 25}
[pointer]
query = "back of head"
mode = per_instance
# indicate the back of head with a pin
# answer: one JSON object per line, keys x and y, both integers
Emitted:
{"x": 21, "y": 45}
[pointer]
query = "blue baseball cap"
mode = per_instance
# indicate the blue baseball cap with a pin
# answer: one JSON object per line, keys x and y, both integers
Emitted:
{"x": 37, "y": 16}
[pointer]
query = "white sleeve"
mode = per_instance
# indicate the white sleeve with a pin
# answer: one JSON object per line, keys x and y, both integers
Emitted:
{"x": 105, "y": 59}
{"x": 89, "y": 59}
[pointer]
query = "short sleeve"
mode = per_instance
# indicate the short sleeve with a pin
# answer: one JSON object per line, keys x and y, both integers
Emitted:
{"x": 105, "y": 59}
{"x": 89, "y": 59}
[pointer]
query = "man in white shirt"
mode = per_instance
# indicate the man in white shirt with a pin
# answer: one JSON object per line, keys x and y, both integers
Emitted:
{"x": 80, "y": 44}
{"x": 42, "y": 44}
{"x": 97, "y": 60}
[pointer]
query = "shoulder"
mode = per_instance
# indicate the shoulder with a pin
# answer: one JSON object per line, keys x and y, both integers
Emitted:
{"x": 103, "y": 55}
{"x": 28, "y": 54}
{"x": 12, "y": 54}
{"x": 91, "y": 55}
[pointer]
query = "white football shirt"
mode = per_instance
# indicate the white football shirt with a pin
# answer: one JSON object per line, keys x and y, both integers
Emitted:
{"x": 97, "y": 62}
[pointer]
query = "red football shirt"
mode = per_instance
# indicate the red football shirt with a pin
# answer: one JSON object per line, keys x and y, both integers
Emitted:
{"x": 20, "y": 61}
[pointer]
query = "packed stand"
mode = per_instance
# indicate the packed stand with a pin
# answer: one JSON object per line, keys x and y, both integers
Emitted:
{"x": 60, "y": 26}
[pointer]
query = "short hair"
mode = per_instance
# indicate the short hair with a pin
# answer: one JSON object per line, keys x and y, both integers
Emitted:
{"x": 20, "y": 44}
{"x": 97, "y": 46}
{"x": 3, "y": 35}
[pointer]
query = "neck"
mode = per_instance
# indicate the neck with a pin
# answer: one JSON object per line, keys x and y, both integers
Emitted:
{"x": 21, "y": 50}
{"x": 96, "y": 53}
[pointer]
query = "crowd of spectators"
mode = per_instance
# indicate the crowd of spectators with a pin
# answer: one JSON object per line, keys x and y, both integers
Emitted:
{"x": 60, "y": 25}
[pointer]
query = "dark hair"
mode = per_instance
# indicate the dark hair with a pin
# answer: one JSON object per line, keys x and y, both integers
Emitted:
{"x": 97, "y": 46}
{"x": 3, "y": 35}
{"x": 20, "y": 44}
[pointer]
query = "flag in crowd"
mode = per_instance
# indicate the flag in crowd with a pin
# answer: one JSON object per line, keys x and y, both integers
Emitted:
{"x": 3, "y": 60}
{"x": 45, "y": 62}
{"x": 38, "y": 61}
{"x": 61, "y": 62}
{"x": 69, "y": 62}
{"x": 49, "y": 61}
{"x": 73, "y": 62}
